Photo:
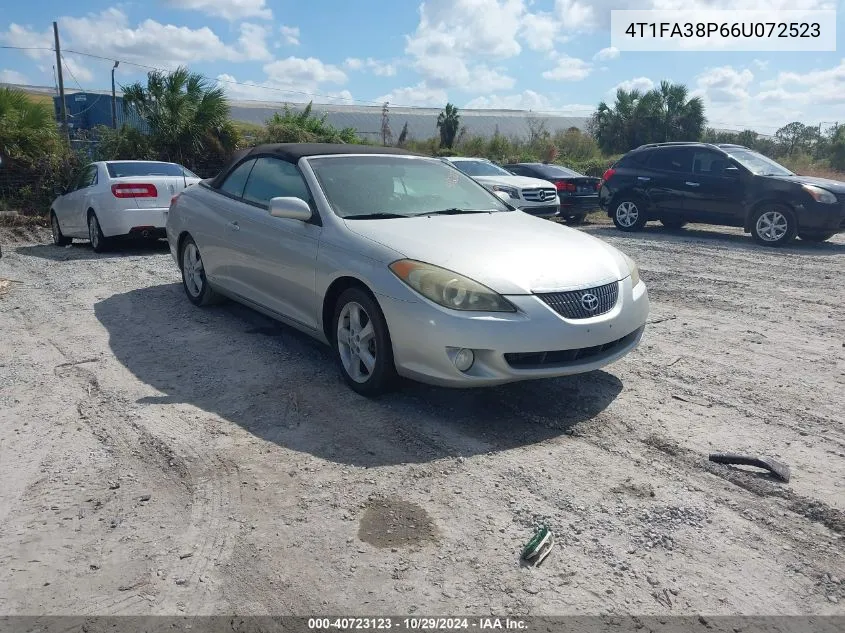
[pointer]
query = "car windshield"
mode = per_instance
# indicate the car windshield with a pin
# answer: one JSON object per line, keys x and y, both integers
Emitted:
{"x": 188, "y": 173}
{"x": 556, "y": 171}
{"x": 480, "y": 168}
{"x": 395, "y": 186}
{"x": 758, "y": 164}
{"x": 124, "y": 169}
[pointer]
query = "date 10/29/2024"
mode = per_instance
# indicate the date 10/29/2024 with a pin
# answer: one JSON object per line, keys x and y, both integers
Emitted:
{"x": 417, "y": 624}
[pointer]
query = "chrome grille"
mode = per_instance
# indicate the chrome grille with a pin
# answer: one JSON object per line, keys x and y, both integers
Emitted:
{"x": 575, "y": 304}
{"x": 540, "y": 194}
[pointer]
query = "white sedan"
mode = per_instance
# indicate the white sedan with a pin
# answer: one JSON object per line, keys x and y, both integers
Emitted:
{"x": 405, "y": 265}
{"x": 112, "y": 199}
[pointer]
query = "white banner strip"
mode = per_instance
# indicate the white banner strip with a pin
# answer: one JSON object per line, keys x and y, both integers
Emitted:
{"x": 712, "y": 30}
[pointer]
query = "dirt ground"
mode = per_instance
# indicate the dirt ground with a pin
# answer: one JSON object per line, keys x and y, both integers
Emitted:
{"x": 157, "y": 458}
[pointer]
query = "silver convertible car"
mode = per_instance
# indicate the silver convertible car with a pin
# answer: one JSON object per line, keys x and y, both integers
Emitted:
{"x": 405, "y": 266}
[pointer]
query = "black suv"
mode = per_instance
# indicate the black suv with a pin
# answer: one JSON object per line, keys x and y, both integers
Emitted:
{"x": 729, "y": 185}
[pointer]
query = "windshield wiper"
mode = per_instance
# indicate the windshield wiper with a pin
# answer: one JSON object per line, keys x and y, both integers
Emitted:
{"x": 452, "y": 211}
{"x": 374, "y": 216}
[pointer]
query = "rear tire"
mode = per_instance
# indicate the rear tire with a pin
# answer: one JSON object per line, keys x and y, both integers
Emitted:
{"x": 362, "y": 344}
{"x": 773, "y": 225}
{"x": 194, "y": 281}
{"x": 628, "y": 214}
{"x": 99, "y": 242}
{"x": 815, "y": 237}
{"x": 59, "y": 239}
{"x": 673, "y": 223}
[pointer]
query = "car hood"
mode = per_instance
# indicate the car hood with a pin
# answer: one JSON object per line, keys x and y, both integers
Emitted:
{"x": 521, "y": 182}
{"x": 834, "y": 186}
{"x": 509, "y": 252}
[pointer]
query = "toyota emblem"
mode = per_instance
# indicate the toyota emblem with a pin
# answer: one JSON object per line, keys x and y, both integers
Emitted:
{"x": 589, "y": 301}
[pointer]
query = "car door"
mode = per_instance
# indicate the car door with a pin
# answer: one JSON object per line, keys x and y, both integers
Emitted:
{"x": 277, "y": 256}
{"x": 66, "y": 207}
{"x": 666, "y": 181}
{"x": 85, "y": 196}
{"x": 216, "y": 225}
{"x": 715, "y": 196}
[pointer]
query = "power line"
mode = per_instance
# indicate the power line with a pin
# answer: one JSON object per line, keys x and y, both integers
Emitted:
{"x": 565, "y": 113}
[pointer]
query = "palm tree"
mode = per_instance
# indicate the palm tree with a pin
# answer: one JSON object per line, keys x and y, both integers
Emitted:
{"x": 448, "y": 122}
{"x": 27, "y": 128}
{"x": 186, "y": 113}
{"x": 661, "y": 114}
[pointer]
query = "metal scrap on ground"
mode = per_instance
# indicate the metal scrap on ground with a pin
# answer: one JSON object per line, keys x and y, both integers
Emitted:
{"x": 539, "y": 546}
{"x": 778, "y": 469}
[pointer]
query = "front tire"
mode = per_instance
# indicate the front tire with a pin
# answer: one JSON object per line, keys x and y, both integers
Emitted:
{"x": 773, "y": 225}
{"x": 816, "y": 237}
{"x": 194, "y": 281}
{"x": 59, "y": 239}
{"x": 362, "y": 344}
{"x": 628, "y": 214}
{"x": 576, "y": 220}
{"x": 99, "y": 242}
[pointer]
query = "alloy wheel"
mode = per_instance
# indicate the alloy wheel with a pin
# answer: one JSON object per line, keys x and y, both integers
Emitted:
{"x": 356, "y": 342}
{"x": 192, "y": 270}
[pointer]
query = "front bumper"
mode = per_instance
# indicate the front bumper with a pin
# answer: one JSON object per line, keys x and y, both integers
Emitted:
{"x": 133, "y": 221}
{"x": 510, "y": 347}
{"x": 542, "y": 211}
{"x": 824, "y": 218}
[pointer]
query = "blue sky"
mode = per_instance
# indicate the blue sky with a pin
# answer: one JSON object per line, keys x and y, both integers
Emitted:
{"x": 543, "y": 55}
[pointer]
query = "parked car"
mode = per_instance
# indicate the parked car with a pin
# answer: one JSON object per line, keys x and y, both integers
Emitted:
{"x": 728, "y": 185}
{"x": 532, "y": 195}
{"x": 579, "y": 194}
{"x": 405, "y": 266}
{"x": 112, "y": 199}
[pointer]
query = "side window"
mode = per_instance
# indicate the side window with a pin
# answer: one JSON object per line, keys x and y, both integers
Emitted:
{"x": 274, "y": 178}
{"x": 678, "y": 160}
{"x": 635, "y": 160}
{"x": 708, "y": 163}
{"x": 87, "y": 177}
{"x": 234, "y": 183}
{"x": 93, "y": 172}
{"x": 518, "y": 171}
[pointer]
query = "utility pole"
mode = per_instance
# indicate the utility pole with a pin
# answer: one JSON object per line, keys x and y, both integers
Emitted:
{"x": 61, "y": 80}
{"x": 113, "y": 99}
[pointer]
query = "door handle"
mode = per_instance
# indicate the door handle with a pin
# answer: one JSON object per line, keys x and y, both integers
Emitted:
{"x": 234, "y": 226}
{"x": 643, "y": 178}
{"x": 692, "y": 184}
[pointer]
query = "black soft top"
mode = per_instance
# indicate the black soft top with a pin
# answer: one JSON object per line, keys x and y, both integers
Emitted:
{"x": 292, "y": 152}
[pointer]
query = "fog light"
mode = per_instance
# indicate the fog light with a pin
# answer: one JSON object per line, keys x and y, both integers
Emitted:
{"x": 464, "y": 359}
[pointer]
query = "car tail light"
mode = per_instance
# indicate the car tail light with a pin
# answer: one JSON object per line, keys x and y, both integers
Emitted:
{"x": 562, "y": 185}
{"x": 175, "y": 198}
{"x": 134, "y": 190}
{"x": 607, "y": 175}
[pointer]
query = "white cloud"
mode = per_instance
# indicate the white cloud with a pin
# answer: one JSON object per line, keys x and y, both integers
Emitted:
{"x": 253, "y": 41}
{"x": 382, "y": 69}
{"x": 272, "y": 90}
{"x": 568, "y": 69}
{"x": 724, "y": 84}
{"x": 297, "y": 70}
{"x": 643, "y": 84}
{"x": 75, "y": 72}
{"x": 12, "y": 77}
{"x": 420, "y": 95}
{"x": 229, "y": 9}
{"x": 761, "y": 64}
{"x": 527, "y": 100}
{"x": 606, "y": 54}
{"x": 825, "y": 86}
{"x": 540, "y": 31}
{"x": 109, "y": 34}
{"x": 290, "y": 34}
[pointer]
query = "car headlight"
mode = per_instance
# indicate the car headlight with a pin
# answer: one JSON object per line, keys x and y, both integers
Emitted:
{"x": 819, "y": 194}
{"x": 635, "y": 271}
{"x": 513, "y": 192}
{"x": 449, "y": 289}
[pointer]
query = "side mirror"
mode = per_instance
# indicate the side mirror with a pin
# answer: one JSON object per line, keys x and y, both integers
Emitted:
{"x": 290, "y": 208}
{"x": 504, "y": 195}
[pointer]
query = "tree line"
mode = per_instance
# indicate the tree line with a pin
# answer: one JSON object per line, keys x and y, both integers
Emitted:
{"x": 187, "y": 120}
